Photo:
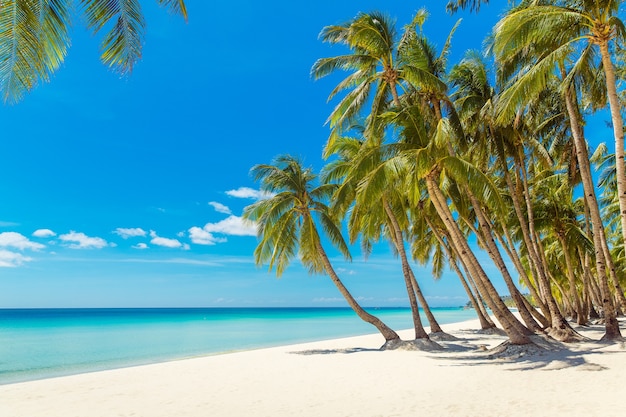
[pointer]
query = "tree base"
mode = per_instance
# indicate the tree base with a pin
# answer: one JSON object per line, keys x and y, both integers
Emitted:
{"x": 538, "y": 346}
{"x": 442, "y": 337}
{"x": 492, "y": 331}
{"x": 417, "y": 344}
{"x": 567, "y": 335}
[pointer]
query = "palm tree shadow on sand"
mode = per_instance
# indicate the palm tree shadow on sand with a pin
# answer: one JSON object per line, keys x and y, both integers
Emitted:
{"x": 471, "y": 349}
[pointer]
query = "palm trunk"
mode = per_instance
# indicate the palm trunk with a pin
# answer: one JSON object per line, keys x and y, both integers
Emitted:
{"x": 387, "y": 332}
{"x": 516, "y": 332}
{"x": 398, "y": 241}
{"x": 577, "y": 305}
{"x": 523, "y": 223}
{"x": 618, "y": 131}
{"x": 514, "y": 256}
{"x": 486, "y": 237}
{"x": 611, "y": 323}
{"x": 485, "y": 323}
{"x": 538, "y": 255}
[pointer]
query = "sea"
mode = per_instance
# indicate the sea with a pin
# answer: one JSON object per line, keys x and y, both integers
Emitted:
{"x": 46, "y": 343}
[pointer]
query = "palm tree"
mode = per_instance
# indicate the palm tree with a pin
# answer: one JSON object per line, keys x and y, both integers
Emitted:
{"x": 377, "y": 62}
{"x": 34, "y": 37}
{"x": 287, "y": 227}
{"x": 353, "y": 156}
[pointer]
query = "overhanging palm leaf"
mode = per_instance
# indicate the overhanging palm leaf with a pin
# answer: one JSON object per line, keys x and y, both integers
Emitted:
{"x": 33, "y": 43}
{"x": 34, "y": 37}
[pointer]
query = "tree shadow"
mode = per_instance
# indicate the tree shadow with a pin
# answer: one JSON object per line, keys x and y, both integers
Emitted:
{"x": 334, "y": 351}
{"x": 542, "y": 353}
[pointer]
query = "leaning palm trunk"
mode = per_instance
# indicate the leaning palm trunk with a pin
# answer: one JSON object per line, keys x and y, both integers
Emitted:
{"x": 516, "y": 332}
{"x": 387, "y": 332}
{"x": 514, "y": 256}
{"x": 485, "y": 322}
{"x": 523, "y": 223}
{"x": 611, "y": 323}
{"x": 537, "y": 255}
{"x": 409, "y": 276}
{"x": 486, "y": 238}
{"x": 398, "y": 241}
{"x": 620, "y": 300}
{"x": 576, "y": 303}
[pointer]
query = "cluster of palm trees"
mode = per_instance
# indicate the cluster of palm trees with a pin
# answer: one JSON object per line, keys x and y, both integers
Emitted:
{"x": 430, "y": 157}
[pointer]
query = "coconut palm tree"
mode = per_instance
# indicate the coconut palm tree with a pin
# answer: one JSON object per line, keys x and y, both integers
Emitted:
{"x": 287, "y": 226}
{"x": 377, "y": 210}
{"x": 34, "y": 37}
{"x": 377, "y": 63}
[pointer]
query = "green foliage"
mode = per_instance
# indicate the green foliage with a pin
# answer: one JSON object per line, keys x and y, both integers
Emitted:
{"x": 286, "y": 224}
{"x": 34, "y": 37}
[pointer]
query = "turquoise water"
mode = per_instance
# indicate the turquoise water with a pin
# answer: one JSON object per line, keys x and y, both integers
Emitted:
{"x": 43, "y": 343}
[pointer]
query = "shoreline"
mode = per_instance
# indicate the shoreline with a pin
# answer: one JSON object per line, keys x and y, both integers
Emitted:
{"x": 101, "y": 339}
{"x": 344, "y": 377}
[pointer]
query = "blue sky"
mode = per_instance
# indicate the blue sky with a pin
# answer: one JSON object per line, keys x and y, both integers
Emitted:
{"x": 128, "y": 192}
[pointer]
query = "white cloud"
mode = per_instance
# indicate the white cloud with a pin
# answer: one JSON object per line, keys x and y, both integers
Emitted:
{"x": 140, "y": 246}
{"x": 44, "y": 233}
{"x": 163, "y": 241}
{"x": 131, "y": 232}
{"x": 246, "y": 192}
{"x": 82, "y": 241}
{"x": 18, "y": 241}
{"x": 232, "y": 225}
{"x": 10, "y": 259}
{"x": 219, "y": 207}
{"x": 200, "y": 236}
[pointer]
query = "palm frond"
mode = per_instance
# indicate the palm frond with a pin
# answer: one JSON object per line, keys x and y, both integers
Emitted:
{"x": 122, "y": 45}
{"x": 175, "y": 7}
{"x": 21, "y": 66}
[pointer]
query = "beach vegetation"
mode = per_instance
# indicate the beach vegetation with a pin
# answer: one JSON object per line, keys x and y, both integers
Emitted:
{"x": 287, "y": 226}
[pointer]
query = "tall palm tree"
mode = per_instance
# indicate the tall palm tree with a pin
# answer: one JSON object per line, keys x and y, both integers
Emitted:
{"x": 34, "y": 37}
{"x": 287, "y": 227}
{"x": 377, "y": 64}
{"x": 367, "y": 220}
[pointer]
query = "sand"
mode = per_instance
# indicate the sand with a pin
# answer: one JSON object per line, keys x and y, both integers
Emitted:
{"x": 348, "y": 377}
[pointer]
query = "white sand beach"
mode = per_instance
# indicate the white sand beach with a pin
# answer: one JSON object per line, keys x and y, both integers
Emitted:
{"x": 346, "y": 377}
